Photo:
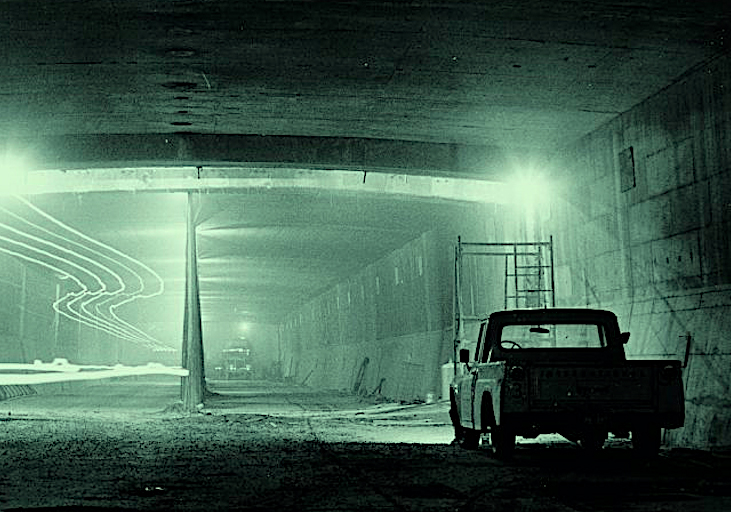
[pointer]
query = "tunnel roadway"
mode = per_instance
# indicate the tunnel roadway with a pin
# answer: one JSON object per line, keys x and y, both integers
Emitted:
{"x": 126, "y": 445}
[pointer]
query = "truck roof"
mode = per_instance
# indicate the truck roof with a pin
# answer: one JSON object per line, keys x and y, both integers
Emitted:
{"x": 548, "y": 315}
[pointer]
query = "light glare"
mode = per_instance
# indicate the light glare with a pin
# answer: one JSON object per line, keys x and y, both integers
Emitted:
{"x": 13, "y": 169}
{"x": 529, "y": 189}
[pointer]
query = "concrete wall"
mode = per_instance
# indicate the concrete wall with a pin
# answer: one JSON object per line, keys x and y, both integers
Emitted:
{"x": 643, "y": 227}
{"x": 384, "y": 323}
{"x": 27, "y": 319}
{"x": 388, "y": 329}
{"x": 30, "y": 329}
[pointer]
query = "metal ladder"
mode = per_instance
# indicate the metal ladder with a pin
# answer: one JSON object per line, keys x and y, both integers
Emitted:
{"x": 529, "y": 280}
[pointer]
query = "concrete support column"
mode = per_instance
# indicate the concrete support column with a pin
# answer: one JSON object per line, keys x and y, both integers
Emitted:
{"x": 23, "y": 306}
{"x": 193, "y": 386}
{"x": 57, "y": 321}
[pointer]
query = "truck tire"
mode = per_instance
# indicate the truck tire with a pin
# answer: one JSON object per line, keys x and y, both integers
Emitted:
{"x": 466, "y": 438}
{"x": 646, "y": 440}
{"x": 469, "y": 439}
{"x": 592, "y": 440}
{"x": 503, "y": 442}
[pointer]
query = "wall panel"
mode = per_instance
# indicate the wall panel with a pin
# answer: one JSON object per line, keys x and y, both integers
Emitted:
{"x": 404, "y": 321}
{"x": 675, "y": 244}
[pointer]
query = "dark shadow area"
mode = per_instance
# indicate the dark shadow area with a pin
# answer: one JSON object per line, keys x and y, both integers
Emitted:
{"x": 67, "y": 452}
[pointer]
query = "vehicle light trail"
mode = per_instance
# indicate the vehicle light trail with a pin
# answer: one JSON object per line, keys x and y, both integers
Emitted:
{"x": 105, "y": 277}
{"x": 60, "y": 370}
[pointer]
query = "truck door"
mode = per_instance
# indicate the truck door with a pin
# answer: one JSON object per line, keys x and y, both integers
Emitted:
{"x": 468, "y": 381}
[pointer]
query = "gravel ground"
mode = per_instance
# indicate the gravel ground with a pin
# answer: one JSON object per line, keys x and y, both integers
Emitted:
{"x": 263, "y": 446}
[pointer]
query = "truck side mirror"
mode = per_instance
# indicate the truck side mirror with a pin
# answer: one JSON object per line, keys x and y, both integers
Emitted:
{"x": 464, "y": 355}
{"x": 624, "y": 338}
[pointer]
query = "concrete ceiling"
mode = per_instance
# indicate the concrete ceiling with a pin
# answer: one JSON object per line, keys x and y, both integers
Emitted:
{"x": 509, "y": 73}
{"x": 457, "y": 88}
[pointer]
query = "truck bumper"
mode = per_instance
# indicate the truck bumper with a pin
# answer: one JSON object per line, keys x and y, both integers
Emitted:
{"x": 549, "y": 422}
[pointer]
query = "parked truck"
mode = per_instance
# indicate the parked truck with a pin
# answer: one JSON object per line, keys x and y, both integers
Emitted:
{"x": 235, "y": 364}
{"x": 562, "y": 370}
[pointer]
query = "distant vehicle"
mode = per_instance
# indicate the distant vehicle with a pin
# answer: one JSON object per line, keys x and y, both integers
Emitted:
{"x": 236, "y": 364}
{"x": 542, "y": 371}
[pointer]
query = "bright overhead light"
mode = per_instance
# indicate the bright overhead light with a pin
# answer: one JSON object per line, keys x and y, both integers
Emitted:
{"x": 12, "y": 173}
{"x": 529, "y": 189}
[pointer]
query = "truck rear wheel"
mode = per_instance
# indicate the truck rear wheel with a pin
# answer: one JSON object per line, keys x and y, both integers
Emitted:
{"x": 468, "y": 439}
{"x": 592, "y": 439}
{"x": 502, "y": 441}
{"x": 646, "y": 440}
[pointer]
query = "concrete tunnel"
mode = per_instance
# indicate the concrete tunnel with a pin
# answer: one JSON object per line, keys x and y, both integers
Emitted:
{"x": 342, "y": 278}
{"x": 328, "y": 247}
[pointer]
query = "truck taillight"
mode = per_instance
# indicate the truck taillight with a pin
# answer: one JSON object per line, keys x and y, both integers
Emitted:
{"x": 515, "y": 386}
{"x": 516, "y": 373}
{"x": 669, "y": 373}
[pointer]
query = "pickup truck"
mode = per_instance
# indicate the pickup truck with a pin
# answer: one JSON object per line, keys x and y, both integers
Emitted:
{"x": 564, "y": 371}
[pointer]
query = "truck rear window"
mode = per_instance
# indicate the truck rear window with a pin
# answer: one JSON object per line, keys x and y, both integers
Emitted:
{"x": 552, "y": 336}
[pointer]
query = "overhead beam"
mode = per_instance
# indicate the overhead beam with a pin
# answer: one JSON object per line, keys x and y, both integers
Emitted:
{"x": 191, "y": 179}
{"x": 97, "y": 151}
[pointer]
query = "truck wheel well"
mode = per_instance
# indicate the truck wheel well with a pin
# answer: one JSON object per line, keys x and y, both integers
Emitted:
{"x": 487, "y": 415}
{"x": 453, "y": 413}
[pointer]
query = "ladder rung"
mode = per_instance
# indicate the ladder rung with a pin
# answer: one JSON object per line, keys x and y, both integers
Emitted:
{"x": 507, "y": 244}
{"x": 533, "y": 266}
{"x": 472, "y": 253}
{"x": 533, "y": 291}
{"x": 524, "y": 275}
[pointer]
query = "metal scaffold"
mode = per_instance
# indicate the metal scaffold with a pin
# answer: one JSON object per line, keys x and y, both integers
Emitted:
{"x": 528, "y": 281}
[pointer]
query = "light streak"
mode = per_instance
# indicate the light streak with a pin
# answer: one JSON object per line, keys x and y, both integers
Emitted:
{"x": 90, "y": 319}
{"x": 60, "y": 370}
{"x": 153, "y": 274}
{"x": 98, "y": 276}
{"x": 72, "y": 316}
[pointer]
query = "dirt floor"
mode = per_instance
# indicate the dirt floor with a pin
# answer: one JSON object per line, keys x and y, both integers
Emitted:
{"x": 127, "y": 445}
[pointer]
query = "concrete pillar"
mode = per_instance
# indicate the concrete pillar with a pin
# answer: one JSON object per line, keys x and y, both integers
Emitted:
{"x": 23, "y": 306}
{"x": 193, "y": 386}
{"x": 56, "y": 320}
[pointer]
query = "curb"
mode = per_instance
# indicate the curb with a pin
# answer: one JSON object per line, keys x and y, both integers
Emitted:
{"x": 13, "y": 391}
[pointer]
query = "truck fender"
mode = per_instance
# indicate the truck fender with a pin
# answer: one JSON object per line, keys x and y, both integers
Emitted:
{"x": 488, "y": 389}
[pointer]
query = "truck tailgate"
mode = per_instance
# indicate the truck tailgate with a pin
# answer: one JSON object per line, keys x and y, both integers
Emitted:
{"x": 629, "y": 384}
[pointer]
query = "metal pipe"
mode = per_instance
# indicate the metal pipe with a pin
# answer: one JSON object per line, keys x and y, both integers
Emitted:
{"x": 553, "y": 278}
{"x": 687, "y": 349}
{"x": 506, "y": 282}
{"x": 472, "y": 253}
{"x": 515, "y": 268}
{"x": 505, "y": 244}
